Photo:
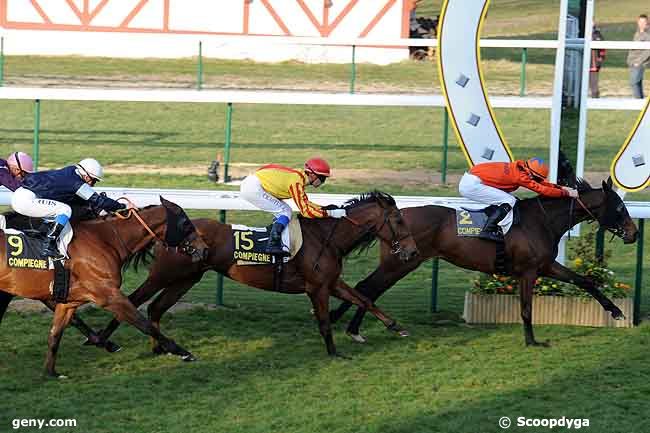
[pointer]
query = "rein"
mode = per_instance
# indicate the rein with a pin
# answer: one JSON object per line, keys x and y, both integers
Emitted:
{"x": 134, "y": 212}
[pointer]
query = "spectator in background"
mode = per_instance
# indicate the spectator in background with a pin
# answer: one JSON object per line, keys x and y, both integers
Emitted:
{"x": 637, "y": 60}
{"x": 597, "y": 59}
{"x": 414, "y": 26}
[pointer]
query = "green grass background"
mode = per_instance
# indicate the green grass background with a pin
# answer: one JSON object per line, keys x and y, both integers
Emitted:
{"x": 262, "y": 363}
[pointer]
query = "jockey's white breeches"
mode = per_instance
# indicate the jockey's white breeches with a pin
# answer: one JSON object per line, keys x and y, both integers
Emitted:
{"x": 471, "y": 187}
{"x": 251, "y": 190}
{"x": 26, "y": 203}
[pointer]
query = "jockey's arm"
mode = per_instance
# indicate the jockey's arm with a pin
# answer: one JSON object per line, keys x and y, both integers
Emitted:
{"x": 99, "y": 201}
{"x": 306, "y": 208}
{"x": 545, "y": 189}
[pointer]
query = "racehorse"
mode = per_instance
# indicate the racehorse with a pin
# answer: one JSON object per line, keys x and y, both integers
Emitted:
{"x": 99, "y": 251}
{"x": 315, "y": 269}
{"x": 531, "y": 247}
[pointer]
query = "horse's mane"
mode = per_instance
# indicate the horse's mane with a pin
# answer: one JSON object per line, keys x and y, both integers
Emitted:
{"x": 142, "y": 257}
{"x": 364, "y": 243}
{"x": 369, "y": 197}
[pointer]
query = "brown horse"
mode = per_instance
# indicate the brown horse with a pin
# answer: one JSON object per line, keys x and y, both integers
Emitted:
{"x": 99, "y": 251}
{"x": 531, "y": 247}
{"x": 314, "y": 270}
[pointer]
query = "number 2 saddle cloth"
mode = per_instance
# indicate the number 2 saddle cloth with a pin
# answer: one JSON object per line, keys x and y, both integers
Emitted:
{"x": 470, "y": 222}
{"x": 249, "y": 243}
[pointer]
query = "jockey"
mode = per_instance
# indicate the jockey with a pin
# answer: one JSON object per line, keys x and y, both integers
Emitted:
{"x": 272, "y": 183}
{"x": 14, "y": 168}
{"x": 491, "y": 183}
{"x": 46, "y": 194}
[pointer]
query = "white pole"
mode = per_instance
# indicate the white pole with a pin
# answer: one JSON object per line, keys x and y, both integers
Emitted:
{"x": 556, "y": 109}
{"x": 584, "y": 91}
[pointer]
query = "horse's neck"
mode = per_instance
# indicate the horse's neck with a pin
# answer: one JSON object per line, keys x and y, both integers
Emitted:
{"x": 558, "y": 216}
{"x": 133, "y": 233}
{"x": 348, "y": 239}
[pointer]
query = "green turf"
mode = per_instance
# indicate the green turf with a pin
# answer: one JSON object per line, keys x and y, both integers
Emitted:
{"x": 262, "y": 362}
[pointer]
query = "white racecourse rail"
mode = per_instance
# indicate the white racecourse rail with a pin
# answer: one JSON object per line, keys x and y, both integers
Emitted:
{"x": 229, "y": 200}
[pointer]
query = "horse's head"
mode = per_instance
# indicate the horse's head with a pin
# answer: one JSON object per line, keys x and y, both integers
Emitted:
{"x": 181, "y": 233}
{"x": 609, "y": 210}
{"x": 379, "y": 211}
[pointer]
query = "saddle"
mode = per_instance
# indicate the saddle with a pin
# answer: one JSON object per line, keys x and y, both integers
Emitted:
{"x": 250, "y": 243}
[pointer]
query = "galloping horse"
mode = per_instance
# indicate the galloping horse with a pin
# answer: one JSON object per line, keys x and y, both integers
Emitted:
{"x": 99, "y": 251}
{"x": 531, "y": 247}
{"x": 314, "y": 270}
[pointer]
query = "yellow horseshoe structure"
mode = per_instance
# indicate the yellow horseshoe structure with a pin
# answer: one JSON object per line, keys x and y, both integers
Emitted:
{"x": 459, "y": 66}
{"x": 630, "y": 168}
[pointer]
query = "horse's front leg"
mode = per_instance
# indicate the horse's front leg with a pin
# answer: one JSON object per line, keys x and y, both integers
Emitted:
{"x": 92, "y": 338}
{"x": 347, "y": 293}
{"x": 62, "y": 315}
{"x": 319, "y": 296}
{"x": 114, "y": 301}
{"x": 561, "y": 273}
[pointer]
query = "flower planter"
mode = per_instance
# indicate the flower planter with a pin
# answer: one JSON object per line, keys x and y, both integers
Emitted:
{"x": 547, "y": 310}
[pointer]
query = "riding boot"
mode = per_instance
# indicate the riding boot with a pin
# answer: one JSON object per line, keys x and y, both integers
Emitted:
{"x": 50, "y": 248}
{"x": 491, "y": 226}
{"x": 275, "y": 240}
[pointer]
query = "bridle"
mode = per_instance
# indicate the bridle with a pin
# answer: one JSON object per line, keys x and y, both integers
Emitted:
{"x": 616, "y": 231}
{"x": 395, "y": 246}
{"x": 184, "y": 247}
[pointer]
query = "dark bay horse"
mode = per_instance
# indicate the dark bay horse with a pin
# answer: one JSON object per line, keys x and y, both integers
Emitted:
{"x": 99, "y": 251}
{"x": 531, "y": 247}
{"x": 315, "y": 270}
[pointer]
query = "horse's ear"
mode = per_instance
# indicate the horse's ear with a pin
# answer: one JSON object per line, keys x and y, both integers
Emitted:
{"x": 607, "y": 184}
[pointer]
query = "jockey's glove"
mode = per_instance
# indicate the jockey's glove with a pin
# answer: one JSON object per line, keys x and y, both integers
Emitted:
{"x": 336, "y": 213}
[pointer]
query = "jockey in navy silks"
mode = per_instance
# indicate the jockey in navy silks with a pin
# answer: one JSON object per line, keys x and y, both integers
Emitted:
{"x": 47, "y": 194}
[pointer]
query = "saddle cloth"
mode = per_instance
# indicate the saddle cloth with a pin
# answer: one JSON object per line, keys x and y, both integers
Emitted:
{"x": 470, "y": 222}
{"x": 250, "y": 243}
{"x": 63, "y": 242}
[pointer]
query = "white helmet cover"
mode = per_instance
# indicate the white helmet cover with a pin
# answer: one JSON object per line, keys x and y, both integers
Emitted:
{"x": 90, "y": 167}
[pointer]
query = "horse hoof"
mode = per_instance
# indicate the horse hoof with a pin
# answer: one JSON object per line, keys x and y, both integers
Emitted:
{"x": 618, "y": 315}
{"x": 157, "y": 350}
{"x": 188, "y": 358}
{"x": 112, "y": 347}
{"x": 55, "y": 375}
{"x": 89, "y": 342}
{"x": 403, "y": 333}
{"x": 538, "y": 344}
{"x": 358, "y": 338}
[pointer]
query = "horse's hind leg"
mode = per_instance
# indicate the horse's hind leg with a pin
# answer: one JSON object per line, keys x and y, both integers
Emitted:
{"x": 5, "y": 299}
{"x": 62, "y": 316}
{"x": 559, "y": 272}
{"x": 165, "y": 300}
{"x": 526, "y": 284}
{"x": 124, "y": 311}
{"x": 347, "y": 293}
